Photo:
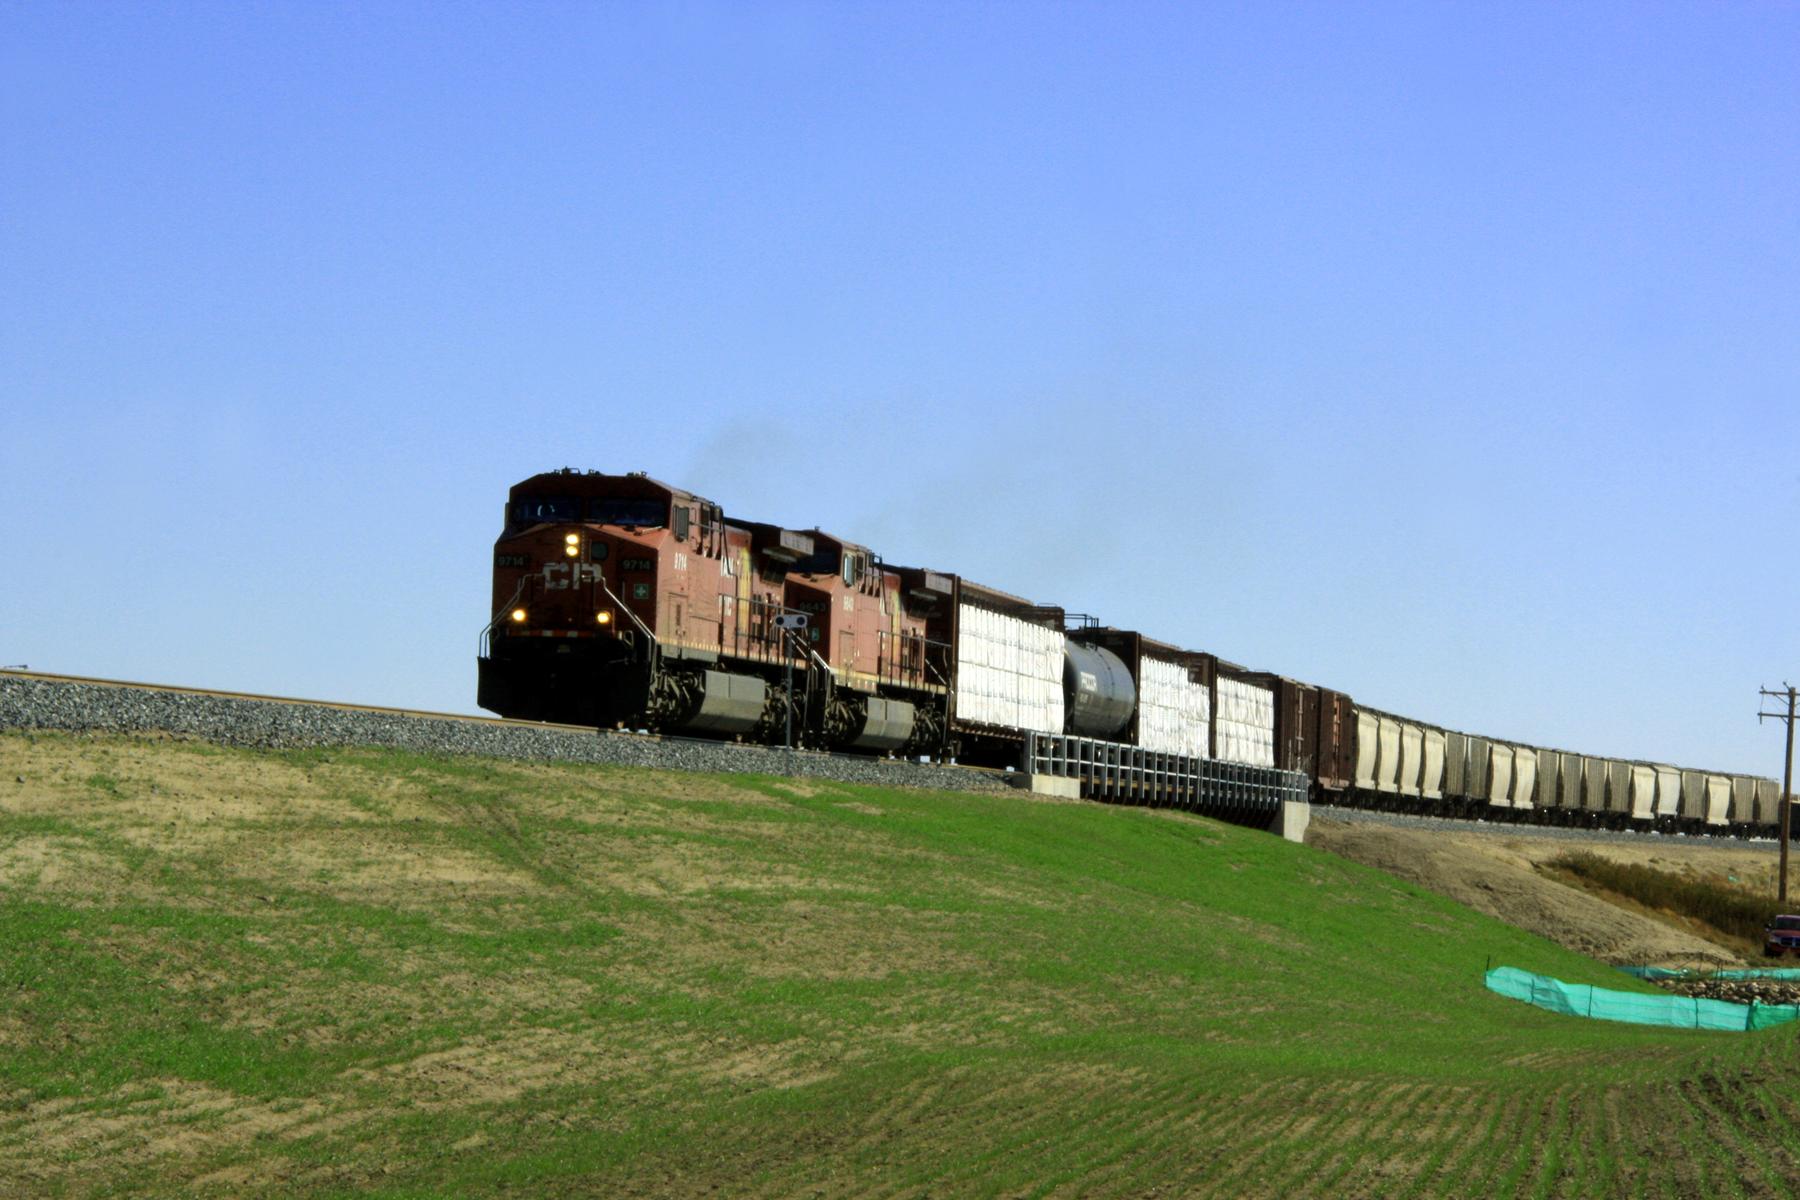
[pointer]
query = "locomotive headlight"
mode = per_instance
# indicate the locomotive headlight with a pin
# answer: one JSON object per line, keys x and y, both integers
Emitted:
{"x": 571, "y": 551}
{"x": 571, "y": 538}
{"x": 518, "y": 616}
{"x": 603, "y": 618}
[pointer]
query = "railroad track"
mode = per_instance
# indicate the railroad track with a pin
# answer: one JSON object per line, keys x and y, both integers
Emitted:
{"x": 433, "y": 715}
{"x": 675, "y": 741}
{"x": 339, "y": 705}
{"x": 1528, "y": 829}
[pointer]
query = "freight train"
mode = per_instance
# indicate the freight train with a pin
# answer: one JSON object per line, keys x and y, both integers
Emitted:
{"x": 622, "y": 601}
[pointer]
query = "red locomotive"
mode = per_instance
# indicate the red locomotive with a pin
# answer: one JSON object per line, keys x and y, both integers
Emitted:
{"x": 620, "y": 600}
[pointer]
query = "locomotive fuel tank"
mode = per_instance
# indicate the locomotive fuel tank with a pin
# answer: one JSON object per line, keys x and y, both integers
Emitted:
{"x": 887, "y": 724}
{"x": 1098, "y": 694}
{"x": 727, "y": 703}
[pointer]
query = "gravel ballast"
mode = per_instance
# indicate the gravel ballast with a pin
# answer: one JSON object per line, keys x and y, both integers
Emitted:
{"x": 1518, "y": 829}
{"x": 39, "y": 704}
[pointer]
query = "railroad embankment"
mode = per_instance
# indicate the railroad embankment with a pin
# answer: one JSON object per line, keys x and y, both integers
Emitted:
{"x": 234, "y": 972}
{"x": 30, "y": 702}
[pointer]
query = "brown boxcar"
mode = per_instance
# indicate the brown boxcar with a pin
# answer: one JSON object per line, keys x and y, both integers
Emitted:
{"x": 1297, "y": 709}
{"x": 1335, "y": 742}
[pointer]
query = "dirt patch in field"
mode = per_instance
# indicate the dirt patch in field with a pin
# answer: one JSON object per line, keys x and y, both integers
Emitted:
{"x": 1504, "y": 876}
{"x": 166, "y": 1119}
{"x": 800, "y": 939}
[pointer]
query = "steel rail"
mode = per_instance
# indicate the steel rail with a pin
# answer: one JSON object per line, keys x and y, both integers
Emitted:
{"x": 514, "y": 723}
{"x": 430, "y": 715}
{"x": 341, "y": 705}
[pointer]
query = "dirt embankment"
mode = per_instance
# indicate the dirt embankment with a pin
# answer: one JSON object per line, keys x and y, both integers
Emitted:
{"x": 1501, "y": 874}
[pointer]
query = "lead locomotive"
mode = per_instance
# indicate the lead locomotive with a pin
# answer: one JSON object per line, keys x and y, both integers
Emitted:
{"x": 619, "y": 600}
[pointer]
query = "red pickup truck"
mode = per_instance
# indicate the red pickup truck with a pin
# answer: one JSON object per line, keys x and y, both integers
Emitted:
{"x": 1781, "y": 936}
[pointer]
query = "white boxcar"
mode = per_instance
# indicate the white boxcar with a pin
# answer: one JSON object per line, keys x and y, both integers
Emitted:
{"x": 1174, "y": 712}
{"x": 1009, "y": 672}
{"x": 1244, "y": 722}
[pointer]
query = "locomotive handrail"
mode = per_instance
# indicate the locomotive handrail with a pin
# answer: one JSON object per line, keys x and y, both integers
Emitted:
{"x": 620, "y": 604}
{"x": 768, "y": 639}
{"x": 902, "y": 672}
{"x": 943, "y": 681}
{"x": 482, "y": 642}
{"x": 814, "y": 655}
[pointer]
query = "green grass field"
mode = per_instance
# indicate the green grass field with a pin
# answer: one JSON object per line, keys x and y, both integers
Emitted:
{"x": 225, "y": 973}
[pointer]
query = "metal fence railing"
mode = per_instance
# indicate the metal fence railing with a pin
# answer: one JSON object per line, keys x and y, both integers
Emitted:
{"x": 1121, "y": 774}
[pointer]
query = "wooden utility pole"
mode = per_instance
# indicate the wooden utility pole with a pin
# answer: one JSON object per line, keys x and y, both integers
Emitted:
{"x": 1787, "y": 778}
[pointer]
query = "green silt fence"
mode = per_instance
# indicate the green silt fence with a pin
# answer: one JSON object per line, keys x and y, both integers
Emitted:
{"x": 1603, "y": 1004}
{"x": 1785, "y": 974}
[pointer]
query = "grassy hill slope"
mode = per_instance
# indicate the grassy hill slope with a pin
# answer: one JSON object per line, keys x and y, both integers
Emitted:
{"x": 373, "y": 973}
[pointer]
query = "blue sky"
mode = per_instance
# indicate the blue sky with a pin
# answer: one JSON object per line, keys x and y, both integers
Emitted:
{"x": 1442, "y": 353}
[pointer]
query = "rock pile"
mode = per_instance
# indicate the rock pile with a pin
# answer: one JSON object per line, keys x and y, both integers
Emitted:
{"x": 1739, "y": 991}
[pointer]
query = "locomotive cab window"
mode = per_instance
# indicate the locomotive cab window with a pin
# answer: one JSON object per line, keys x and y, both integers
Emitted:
{"x": 644, "y": 514}
{"x": 682, "y": 516}
{"x": 535, "y": 510}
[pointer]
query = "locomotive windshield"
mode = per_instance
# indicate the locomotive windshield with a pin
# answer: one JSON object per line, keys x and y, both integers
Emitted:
{"x": 533, "y": 510}
{"x": 652, "y": 514}
{"x": 820, "y": 562}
